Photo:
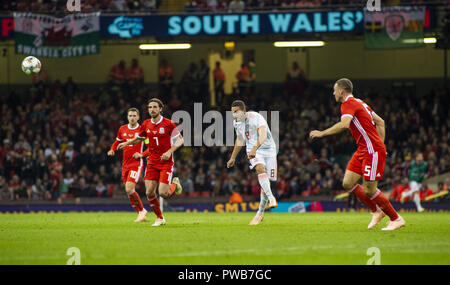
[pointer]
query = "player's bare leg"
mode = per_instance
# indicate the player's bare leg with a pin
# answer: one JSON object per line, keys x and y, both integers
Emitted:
{"x": 135, "y": 201}
{"x": 371, "y": 188}
{"x": 350, "y": 183}
{"x": 150, "y": 188}
{"x": 263, "y": 180}
{"x": 166, "y": 190}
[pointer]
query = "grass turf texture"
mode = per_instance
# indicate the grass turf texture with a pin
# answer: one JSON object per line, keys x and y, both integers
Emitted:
{"x": 222, "y": 238}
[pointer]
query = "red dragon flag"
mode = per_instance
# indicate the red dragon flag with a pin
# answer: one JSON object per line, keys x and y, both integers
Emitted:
{"x": 52, "y": 37}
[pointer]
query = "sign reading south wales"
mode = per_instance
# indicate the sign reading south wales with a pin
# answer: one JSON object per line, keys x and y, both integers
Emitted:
{"x": 233, "y": 24}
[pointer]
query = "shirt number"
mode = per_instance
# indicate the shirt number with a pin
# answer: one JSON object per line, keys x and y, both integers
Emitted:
{"x": 156, "y": 138}
{"x": 368, "y": 112}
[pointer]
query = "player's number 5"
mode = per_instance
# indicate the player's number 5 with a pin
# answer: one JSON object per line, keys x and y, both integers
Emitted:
{"x": 367, "y": 170}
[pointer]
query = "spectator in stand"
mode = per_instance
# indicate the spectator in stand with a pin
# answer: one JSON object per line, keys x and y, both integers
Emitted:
{"x": 236, "y": 6}
{"x": 119, "y": 5}
{"x": 188, "y": 184}
{"x": 135, "y": 74}
{"x": 219, "y": 82}
{"x": 313, "y": 189}
{"x": 149, "y": 5}
{"x": 4, "y": 190}
{"x": 425, "y": 191}
{"x": 203, "y": 78}
{"x": 396, "y": 194}
{"x": 118, "y": 74}
{"x": 295, "y": 83}
{"x": 191, "y": 7}
{"x": 165, "y": 82}
{"x": 212, "y": 5}
{"x": 243, "y": 77}
{"x": 190, "y": 83}
{"x": 14, "y": 187}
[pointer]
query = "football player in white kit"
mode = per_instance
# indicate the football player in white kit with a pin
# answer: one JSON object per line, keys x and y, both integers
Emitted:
{"x": 252, "y": 129}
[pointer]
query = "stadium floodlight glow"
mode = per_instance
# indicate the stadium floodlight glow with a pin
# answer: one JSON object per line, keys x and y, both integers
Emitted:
{"x": 418, "y": 41}
{"x": 300, "y": 44}
{"x": 164, "y": 46}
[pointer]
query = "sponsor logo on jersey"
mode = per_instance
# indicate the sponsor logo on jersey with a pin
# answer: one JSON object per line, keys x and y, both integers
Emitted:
{"x": 148, "y": 131}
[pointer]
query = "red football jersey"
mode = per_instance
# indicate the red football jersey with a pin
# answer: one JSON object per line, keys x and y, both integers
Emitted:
{"x": 362, "y": 125}
{"x": 161, "y": 137}
{"x": 126, "y": 133}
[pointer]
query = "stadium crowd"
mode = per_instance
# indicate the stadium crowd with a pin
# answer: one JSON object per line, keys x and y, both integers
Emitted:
{"x": 190, "y": 6}
{"x": 54, "y": 139}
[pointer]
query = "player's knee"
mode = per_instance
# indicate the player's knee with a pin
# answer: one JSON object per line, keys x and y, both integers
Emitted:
{"x": 129, "y": 188}
{"x": 347, "y": 185}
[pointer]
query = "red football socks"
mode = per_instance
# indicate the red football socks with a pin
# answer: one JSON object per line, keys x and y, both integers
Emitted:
{"x": 136, "y": 202}
{"x": 384, "y": 204}
{"x": 154, "y": 203}
{"x": 359, "y": 192}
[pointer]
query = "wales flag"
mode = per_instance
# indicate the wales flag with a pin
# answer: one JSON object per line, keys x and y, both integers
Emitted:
{"x": 396, "y": 27}
{"x": 52, "y": 37}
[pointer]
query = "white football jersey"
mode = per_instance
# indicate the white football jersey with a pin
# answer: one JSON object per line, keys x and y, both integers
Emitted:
{"x": 248, "y": 130}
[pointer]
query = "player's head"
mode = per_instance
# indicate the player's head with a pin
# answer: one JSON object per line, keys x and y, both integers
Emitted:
{"x": 155, "y": 107}
{"x": 342, "y": 88}
{"x": 238, "y": 110}
{"x": 419, "y": 157}
{"x": 132, "y": 116}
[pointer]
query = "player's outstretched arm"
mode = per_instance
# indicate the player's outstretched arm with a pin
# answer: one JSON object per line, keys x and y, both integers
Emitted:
{"x": 379, "y": 124}
{"x": 238, "y": 144}
{"x": 335, "y": 129}
{"x": 130, "y": 142}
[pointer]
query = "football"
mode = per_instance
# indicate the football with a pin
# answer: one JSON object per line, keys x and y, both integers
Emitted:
{"x": 31, "y": 65}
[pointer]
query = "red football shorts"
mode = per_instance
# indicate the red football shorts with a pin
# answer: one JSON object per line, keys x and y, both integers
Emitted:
{"x": 131, "y": 173}
{"x": 159, "y": 172}
{"x": 369, "y": 166}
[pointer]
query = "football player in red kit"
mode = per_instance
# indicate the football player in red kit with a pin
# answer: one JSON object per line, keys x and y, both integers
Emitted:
{"x": 131, "y": 167}
{"x": 164, "y": 139}
{"x": 368, "y": 161}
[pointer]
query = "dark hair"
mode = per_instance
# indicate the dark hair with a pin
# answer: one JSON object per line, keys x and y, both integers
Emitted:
{"x": 345, "y": 84}
{"x": 133, "y": 110}
{"x": 238, "y": 103}
{"x": 160, "y": 103}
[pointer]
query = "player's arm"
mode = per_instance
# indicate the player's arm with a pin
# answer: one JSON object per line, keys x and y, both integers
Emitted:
{"x": 178, "y": 143}
{"x": 335, "y": 129}
{"x": 114, "y": 146}
{"x": 379, "y": 124}
{"x": 262, "y": 136}
{"x": 130, "y": 142}
{"x": 238, "y": 144}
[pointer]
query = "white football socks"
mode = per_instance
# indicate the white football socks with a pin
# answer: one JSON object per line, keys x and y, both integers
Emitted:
{"x": 262, "y": 203}
{"x": 265, "y": 184}
{"x": 417, "y": 201}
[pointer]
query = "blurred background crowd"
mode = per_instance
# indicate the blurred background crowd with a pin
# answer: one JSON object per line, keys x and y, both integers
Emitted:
{"x": 54, "y": 140}
{"x": 189, "y": 6}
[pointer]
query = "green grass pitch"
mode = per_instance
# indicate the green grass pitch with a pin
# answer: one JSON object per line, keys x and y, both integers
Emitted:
{"x": 221, "y": 239}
